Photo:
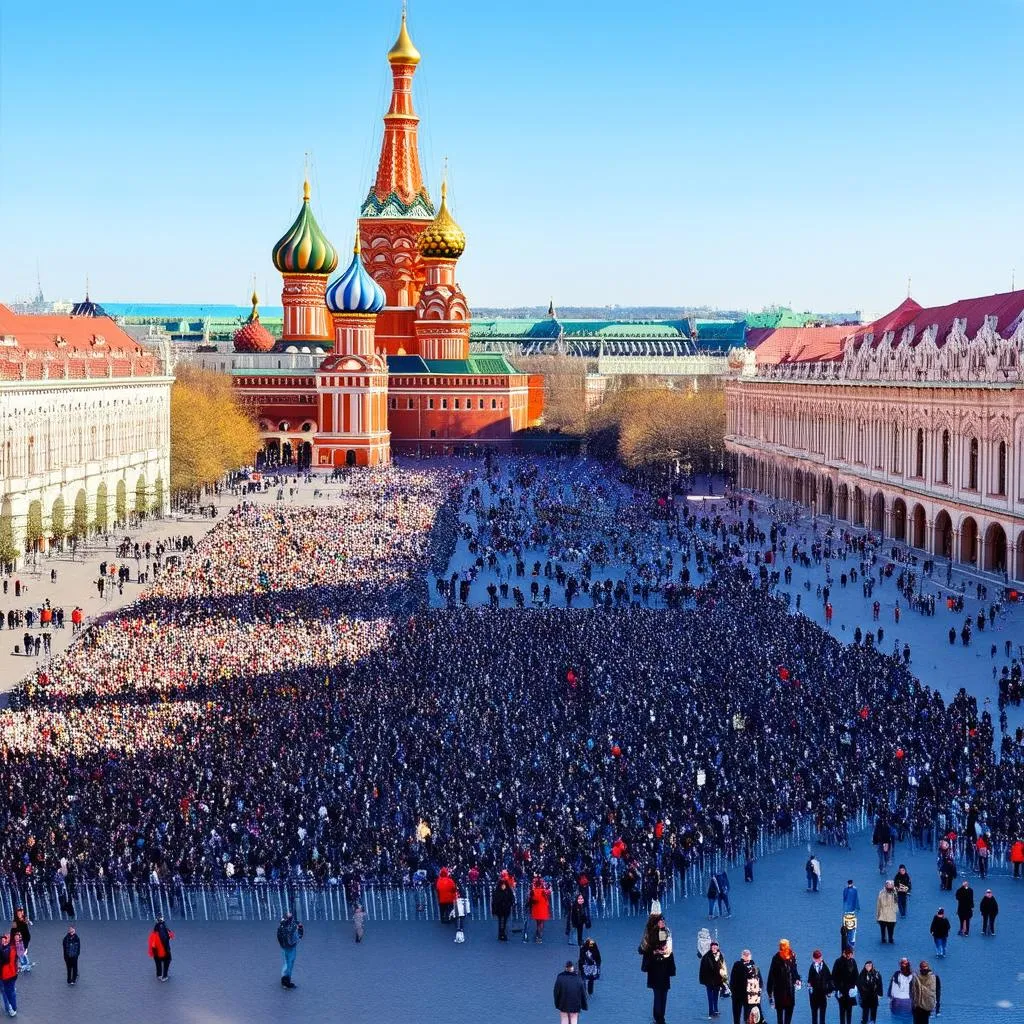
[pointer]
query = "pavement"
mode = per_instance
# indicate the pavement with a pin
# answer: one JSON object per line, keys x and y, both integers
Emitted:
{"x": 413, "y": 973}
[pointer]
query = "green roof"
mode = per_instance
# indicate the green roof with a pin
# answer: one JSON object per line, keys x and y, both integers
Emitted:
{"x": 780, "y": 317}
{"x": 487, "y": 363}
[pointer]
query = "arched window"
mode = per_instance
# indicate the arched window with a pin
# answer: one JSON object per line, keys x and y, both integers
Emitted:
{"x": 1001, "y": 469}
{"x": 972, "y": 465}
{"x": 919, "y": 453}
{"x": 945, "y": 457}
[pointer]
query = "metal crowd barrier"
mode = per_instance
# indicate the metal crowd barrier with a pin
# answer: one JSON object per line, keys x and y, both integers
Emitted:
{"x": 387, "y": 901}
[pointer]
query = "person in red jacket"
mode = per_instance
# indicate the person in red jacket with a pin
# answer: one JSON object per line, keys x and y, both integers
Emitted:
{"x": 1017, "y": 857}
{"x": 447, "y": 894}
{"x": 160, "y": 948}
{"x": 8, "y": 974}
{"x": 540, "y": 906}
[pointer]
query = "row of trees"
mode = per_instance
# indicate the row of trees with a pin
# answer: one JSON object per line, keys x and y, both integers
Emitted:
{"x": 212, "y": 433}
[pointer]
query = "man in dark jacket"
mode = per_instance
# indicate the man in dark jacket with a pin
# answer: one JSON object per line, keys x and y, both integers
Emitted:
{"x": 570, "y": 994}
{"x": 745, "y": 984}
{"x": 844, "y": 977}
{"x": 501, "y": 907}
{"x": 288, "y": 934}
{"x": 819, "y": 987}
{"x": 965, "y": 907}
{"x": 578, "y": 918}
{"x": 72, "y": 950}
{"x": 940, "y": 931}
{"x": 989, "y": 908}
{"x": 869, "y": 988}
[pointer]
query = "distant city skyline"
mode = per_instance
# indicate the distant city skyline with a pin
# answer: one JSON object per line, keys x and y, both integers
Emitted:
{"x": 692, "y": 156}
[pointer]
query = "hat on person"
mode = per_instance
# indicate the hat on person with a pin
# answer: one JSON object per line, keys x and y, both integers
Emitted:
{"x": 889, "y": 883}
{"x": 924, "y": 966}
{"x": 568, "y": 965}
{"x": 714, "y": 942}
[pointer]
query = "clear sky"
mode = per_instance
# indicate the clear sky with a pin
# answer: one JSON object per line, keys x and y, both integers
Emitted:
{"x": 601, "y": 151}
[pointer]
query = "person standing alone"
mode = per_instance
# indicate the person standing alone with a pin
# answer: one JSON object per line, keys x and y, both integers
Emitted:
{"x": 8, "y": 975}
{"x": 72, "y": 946}
{"x": 289, "y": 932}
{"x": 160, "y": 948}
{"x": 570, "y": 994}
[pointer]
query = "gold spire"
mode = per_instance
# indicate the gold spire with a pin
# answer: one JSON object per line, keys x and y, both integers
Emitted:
{"x": 403, "y": 52}
{"x": 443, "y": 238}
{"x": 305, "y": 191}
{"x": 358, "y": 247}
{"x": 255, "y": 314}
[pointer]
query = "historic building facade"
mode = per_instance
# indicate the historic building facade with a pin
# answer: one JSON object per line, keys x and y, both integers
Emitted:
{"x": 378, "y": 356}
{"x": 84, "y": 429}
{"x": 912, "y": 427}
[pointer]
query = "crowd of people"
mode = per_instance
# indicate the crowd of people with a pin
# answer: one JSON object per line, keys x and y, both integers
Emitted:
{"x": 285, "y": 701}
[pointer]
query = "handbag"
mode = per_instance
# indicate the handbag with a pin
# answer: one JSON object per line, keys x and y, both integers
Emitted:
{"x": 655, "y": 906}
{"x": 460, "y": 936}
{"x": 726, "y": 991}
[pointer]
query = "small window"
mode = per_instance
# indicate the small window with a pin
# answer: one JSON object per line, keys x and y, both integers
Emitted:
{"x": 433, "y": 433}
{"x": 430, "y": 403}
{"x": 494, "y": 403}
{"x": 444, "y": 403}
{"x": 481, "y": 403}
{"x": 410, "y": 403}
{"x": 456, "y": 403}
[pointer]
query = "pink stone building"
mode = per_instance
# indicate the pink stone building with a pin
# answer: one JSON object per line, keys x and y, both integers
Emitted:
{"x": 912, "y": 427}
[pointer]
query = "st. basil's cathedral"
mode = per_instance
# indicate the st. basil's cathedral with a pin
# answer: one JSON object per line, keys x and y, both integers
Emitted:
{"x": 378, "y": 356}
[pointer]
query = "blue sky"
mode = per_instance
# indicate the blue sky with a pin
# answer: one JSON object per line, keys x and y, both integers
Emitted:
{"x": 731, "y": 153}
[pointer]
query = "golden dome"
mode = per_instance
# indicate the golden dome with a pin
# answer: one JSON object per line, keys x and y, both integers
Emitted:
{"x": 443, "y": 239}
{"x": 403, "y": 52}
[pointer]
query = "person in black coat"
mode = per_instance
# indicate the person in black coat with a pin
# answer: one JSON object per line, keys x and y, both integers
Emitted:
{"x": 989, "y": 908}
{"x": 570, "y": 994}
{"x": 869, "y": 988}
{"x": 72, "y": 946}
{"x": 940, "y": 931}
{"x": 844, "y": 978}
{"x": 783, "y": 981}
{"x": 502, "y": 902}
{"x": 819, "y": 987}
{"x": 745, "y": 984}
{"x": 578, "y": 918}
{"x": 590, "y": 964}
{"x": 712, "y": 976}
{"x": 965, "y": 907}
{"x": 658, "y": 963}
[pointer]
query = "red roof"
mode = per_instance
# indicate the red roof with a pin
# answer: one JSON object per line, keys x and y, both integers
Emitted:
{"x": 1006, "y": 306}
{"x": 800, "y": 344}
{"x": 71, "y": 346}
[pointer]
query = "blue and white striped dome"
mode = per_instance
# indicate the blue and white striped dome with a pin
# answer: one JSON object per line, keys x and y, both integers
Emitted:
{"x": 355, "y": 291}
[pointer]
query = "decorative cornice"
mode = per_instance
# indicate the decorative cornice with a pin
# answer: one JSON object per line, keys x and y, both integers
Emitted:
{"x": 392, "y": 206}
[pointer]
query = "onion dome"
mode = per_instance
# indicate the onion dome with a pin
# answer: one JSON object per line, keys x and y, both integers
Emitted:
{"x": 443, "y": 239}
{"x": 355, "y": 291}
{"x": 304, "y": 249}
{"x": 252, "y": 336}
{"x": 403, "y": 52}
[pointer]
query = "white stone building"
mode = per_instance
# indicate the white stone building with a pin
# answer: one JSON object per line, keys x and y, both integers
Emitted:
{"x": 84, "y": 430}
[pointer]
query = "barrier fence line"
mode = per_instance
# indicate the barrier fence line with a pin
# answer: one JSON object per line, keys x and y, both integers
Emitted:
{"x": 269, "y": 900}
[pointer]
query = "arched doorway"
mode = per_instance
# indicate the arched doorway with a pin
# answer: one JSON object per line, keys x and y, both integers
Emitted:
{"x": 843, "y": 506}
{"x": 969, "y": 541}
{"x": 305, "y": 455}
{"x": 858, "y": 507}
{"x": 80, "y": 518}
{"x": 350, "y": 458}
{"x": 943, "y": 535}
{"x": 102, "y": 509}
{"x": 995, "y": 548}
{"x": 58, "y": 520}
{"x": 286, "y": 453}
{"x": 899, "y": 519}
{"x": 878, "y": 512}
{"x": 828, "y": 506}
{"x": 918, "y": 526}
{"x": 121, "y": 503}
{"x": 141, "y": 506}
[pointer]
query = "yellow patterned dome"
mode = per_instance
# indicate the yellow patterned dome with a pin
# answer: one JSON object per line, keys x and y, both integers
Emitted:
{"x": 443, "y": 239}
{"x": 403, "y": 52}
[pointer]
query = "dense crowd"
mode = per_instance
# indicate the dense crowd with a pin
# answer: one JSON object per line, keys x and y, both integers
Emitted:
{"x": 284, "y": 702}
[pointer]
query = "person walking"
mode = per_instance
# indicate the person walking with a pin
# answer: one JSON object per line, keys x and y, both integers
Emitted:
{"x": 869, "y": 990}
{"x": 9, "y": 975}
{"x": 578, "y": 918}
{"x": 940, "y": 931}
{"x": 783, "y": 982}
{"x": 851, "y": 898}
{"x": 289, "y": 934}
{"x": 965, "y": 907}
{"x": 570, "y": 994}
{"x": 712, "y": 894}
{"x": 813, "y": 871}
{"x": 899, "y": 990}
{"x": 540, "y": 907}
{"x": 21, "y": 936}
{"x": 447, "y": 894}
{"x": 658, "y": 963}
{"x": 903, "y": 886}
{"x": 745, "y": 984}
{"x": 502, "y": 902}
{"x": 925, "y": 994}
{"x": 819, "y": 987}
{"x": 160, "y": 948}
{"x": 844, "y": 978}
{"x": 590, "y": 964}
{"x": 885, "y": 912}
{"x": 359, "y": 923}
{"x": 72, "y": 946}
{"x": 989, "y": 909}
{"x": 724, "y": 906}
{"x": 713, "y": 975}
